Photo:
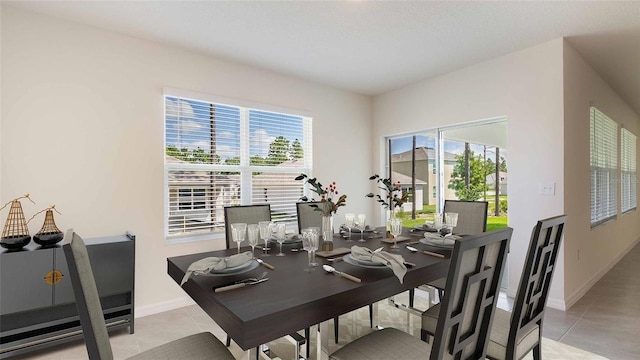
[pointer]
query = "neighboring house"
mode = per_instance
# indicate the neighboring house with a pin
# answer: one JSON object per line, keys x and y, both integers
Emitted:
{"x": 491, "y": 181}
{"x": 405, "y": 183}
{"x": 425, "y": 171}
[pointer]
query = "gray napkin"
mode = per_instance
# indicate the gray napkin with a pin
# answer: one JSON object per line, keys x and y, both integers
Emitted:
{"x": 395, "y": 262}
{"x": 216, "y": 263}
{"x": 439, "y": 240}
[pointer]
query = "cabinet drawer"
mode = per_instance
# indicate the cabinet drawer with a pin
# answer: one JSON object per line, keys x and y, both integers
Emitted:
{"x": 22, "y": 275}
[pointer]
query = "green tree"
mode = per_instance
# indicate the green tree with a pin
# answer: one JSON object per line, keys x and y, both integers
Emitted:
{"x": 503, "y": 164}
{"x": 296, "y": 150}
{"x": 476, "y": 175}
{"x": 278, "y": 151}
{"x": 232, "y": 161}
{"x": 257, "y": 160}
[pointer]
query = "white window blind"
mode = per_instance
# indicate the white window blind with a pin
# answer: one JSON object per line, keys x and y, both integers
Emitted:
{"x": 604, "y": 167}
{"x": 219, "y": 155}
{"x": 628, "y": 182}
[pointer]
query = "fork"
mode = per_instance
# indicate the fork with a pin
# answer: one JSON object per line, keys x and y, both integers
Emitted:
{"x": 248, "y": 280}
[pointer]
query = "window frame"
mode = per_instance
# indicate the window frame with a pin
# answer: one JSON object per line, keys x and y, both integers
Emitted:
{"x": 628, "y": 182}
{"x": 608, "y": 172}
{"x": 245, "y": 170}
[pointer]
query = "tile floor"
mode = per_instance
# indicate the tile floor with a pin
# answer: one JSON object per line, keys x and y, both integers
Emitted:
{"x": 604, "y": 322}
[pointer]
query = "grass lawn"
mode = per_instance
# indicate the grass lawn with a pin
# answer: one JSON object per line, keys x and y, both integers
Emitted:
{"x": 493, "y": 222}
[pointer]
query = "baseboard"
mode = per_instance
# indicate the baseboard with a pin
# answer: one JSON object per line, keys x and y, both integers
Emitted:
{"x": 579, "y": 293}
{"x": 156, "y": 308}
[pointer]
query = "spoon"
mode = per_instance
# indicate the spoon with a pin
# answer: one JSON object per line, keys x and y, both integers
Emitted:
{"x": 331, "y": 269}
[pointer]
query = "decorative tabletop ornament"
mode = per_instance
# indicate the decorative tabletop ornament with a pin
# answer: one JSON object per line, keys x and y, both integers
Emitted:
{"x": 49, "y": 234}
{"x": 326, "y": 204}
{"x": 15, "y": 234}
{"x": 391, "y": 200}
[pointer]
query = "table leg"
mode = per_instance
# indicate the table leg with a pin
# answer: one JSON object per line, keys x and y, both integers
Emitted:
{"x": 322, "y": 343}
{"x": 375, "y": 319}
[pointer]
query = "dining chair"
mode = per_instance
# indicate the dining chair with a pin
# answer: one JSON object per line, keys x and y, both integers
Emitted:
{"x": 199, "y": 346}
{"x": 253, "y": 214}
{"x": 466, "y": 312}
{"x": 309, "y": 216}
{"x": 514, "y": 335}
{"x": 249, "y": 214}
{"x": 472, "y": 219}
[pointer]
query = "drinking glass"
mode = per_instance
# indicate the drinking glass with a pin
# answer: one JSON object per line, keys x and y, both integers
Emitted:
{"x": 451, "y": 220}
{"x": 362, "y": 224}
{"x": 265, "y": 234}
{"x": 396, "y": 230}
{"x": 315, "y": 243}
{"x": 310, "y": 244}
{"x": 238, "y": 233}
{"x": 280, "y": 233}
{"x": 253, "y": 235}
{"x": 349, "y": 221}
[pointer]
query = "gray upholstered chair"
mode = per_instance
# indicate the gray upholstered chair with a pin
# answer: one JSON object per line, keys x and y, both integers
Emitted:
{"x": 466, "y": 312}
{"x": 199, "y": 346}
{"x": 472, "y": 220}
{"x": 309, "y": 216}
{"x": 250, "y": 214}
{"x": 514, "y": 334}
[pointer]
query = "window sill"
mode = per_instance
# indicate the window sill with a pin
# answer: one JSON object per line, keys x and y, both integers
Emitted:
{"x": 180, "y": 239}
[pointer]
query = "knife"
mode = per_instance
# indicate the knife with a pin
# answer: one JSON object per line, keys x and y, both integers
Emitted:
{"x": 239, "y": 285}
{"x": 261, "y": 262}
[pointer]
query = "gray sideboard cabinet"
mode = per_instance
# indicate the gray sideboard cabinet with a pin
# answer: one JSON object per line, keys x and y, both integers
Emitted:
{"x": 37, "y": 305}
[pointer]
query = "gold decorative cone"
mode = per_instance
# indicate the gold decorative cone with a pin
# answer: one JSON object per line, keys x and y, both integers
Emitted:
{"x": 16, "y": 224}
{"x": 49, "y": 225}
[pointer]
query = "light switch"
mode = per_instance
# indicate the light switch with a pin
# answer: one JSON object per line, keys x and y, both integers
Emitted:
{"x": 547, "y": 188}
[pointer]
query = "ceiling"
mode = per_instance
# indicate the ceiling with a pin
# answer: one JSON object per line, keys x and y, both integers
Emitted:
{"x": 371, "y": 47}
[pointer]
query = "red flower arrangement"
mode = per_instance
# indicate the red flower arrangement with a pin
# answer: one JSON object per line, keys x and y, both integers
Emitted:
{"x": 326, "y": 203}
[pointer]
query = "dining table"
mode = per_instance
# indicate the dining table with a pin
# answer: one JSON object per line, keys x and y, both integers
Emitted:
{"x": 294, "y": 299}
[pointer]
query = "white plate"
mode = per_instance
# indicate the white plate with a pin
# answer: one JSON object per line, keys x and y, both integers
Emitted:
{"x": 357, "y": 262}
{"x": 249, "y": 265}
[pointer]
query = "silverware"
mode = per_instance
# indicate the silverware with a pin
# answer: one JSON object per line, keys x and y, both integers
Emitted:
{"x": 331, "y": 269}
{"x": 239, "y": 285}
{"x": 412, "y": 249}
{"x": 262, "y": 276}
{"x": 268, "y": 266}
{"x": 335, "y": 259}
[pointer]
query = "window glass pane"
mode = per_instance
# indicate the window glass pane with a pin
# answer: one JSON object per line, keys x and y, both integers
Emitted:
{"x": 628, "y": 165}
{"x": 215, "y": 156}
{"x": 604, "y": 167}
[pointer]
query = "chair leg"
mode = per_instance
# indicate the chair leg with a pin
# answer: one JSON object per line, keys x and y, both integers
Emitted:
{"x": 424, "y": 336}
{"x": 307, "y": 335}
{"x": 412, "y": 295}
{"x": 537, "y": 353}
{"x": 228, "y": 341}
{"x": 336, "y": 325}
{"x": 371, "y": 316}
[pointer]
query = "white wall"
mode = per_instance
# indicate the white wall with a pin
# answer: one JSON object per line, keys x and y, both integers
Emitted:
{"x": 599, "y": 249}
{"x": 526, "y": 87}
{"x": 82, "y": 128}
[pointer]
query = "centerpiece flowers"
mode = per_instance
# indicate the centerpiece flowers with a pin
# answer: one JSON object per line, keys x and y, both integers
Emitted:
{"x": 394, "y": 197}
{"x": 327, "y": 204}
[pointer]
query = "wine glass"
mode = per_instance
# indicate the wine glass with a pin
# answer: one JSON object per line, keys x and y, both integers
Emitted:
{"x": 310, "y": 244}
{"x": 265, "y": 234}
{"x": 362, "y": 224}
{"x": 238, "y": 233}
{"x": 280, "y": 232}
{"x": 349, "y": 220}
{"x": 315, "y": 243}
{"x": 451, "y": 220}
{"x": 396, "y": 230}
{"x": 253, "y": 235}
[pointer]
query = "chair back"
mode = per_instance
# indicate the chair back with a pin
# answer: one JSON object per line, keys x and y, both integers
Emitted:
{"x": 250, "y": 214}
{"x": 308, "y": 215}
{"x": 472, "y": 215}
{"x": 533, "y": 291}
{"x": 90, "y": 312}
{"x": 471, "y": 295}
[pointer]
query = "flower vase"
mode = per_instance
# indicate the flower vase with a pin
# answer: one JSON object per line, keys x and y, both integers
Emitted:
{"x": 327, "y": 232}
{"x": 392, "y": 215}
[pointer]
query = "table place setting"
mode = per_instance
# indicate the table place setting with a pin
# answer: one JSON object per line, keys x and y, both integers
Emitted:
{"x": 364, "y": 257}
{"x": 437, "y": 240}
{"x": 220, "y": 266}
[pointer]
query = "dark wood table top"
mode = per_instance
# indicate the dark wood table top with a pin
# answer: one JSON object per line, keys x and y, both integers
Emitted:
{"x": 293, "y": 299}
